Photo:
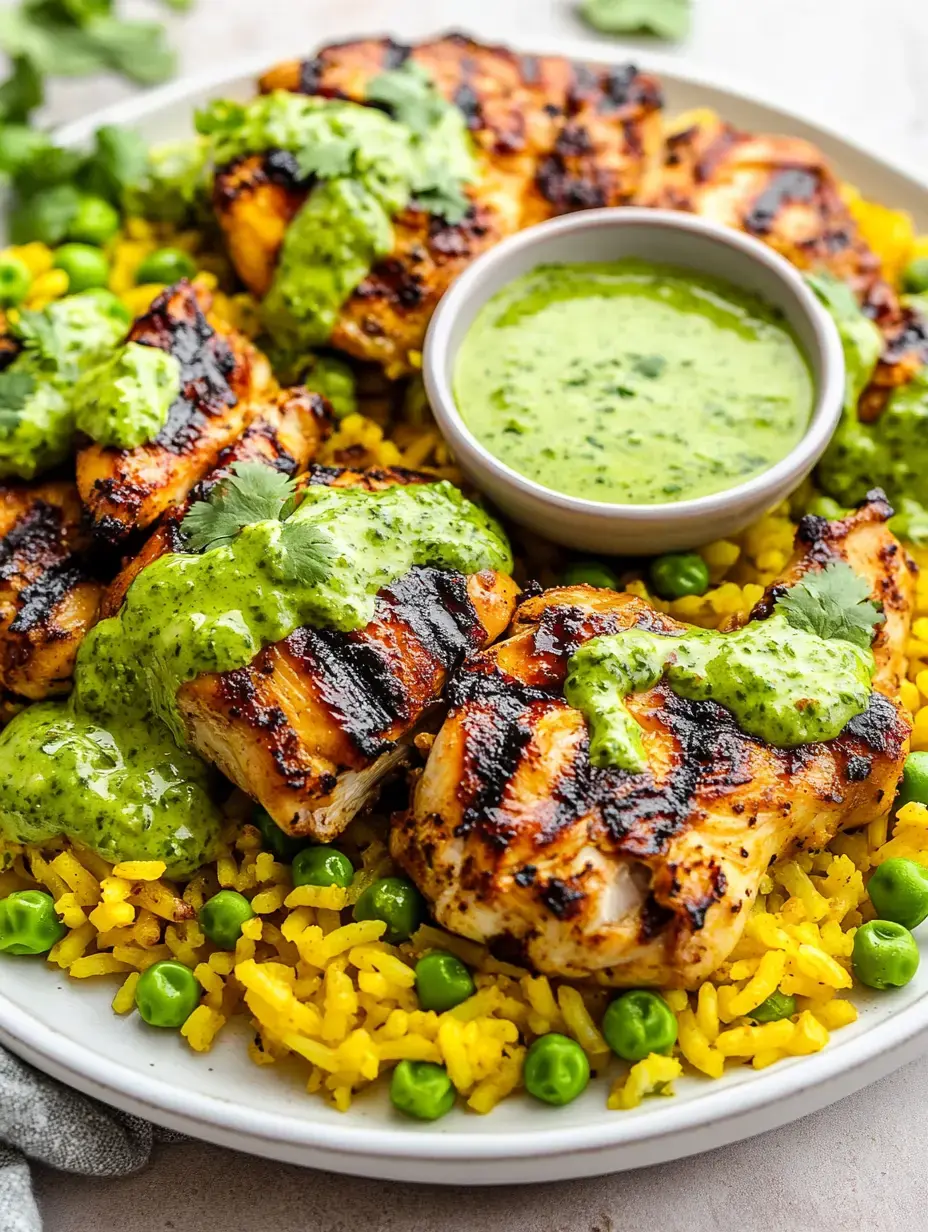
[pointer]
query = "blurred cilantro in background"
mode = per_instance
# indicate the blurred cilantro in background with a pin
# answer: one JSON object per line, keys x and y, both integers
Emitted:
{"x": 663, "y": 19}
{"x": 61, "y": 193}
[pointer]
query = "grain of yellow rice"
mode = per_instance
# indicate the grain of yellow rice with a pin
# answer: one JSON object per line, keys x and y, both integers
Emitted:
{"x": 316, "y": 986}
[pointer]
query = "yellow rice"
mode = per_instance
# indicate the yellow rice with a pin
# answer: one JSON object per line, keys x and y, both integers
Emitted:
{"x": 315, "y": 986}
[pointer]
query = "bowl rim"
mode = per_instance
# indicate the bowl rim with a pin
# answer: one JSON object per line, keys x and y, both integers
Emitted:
{"x": 735, "y": 1111}
{"x": 437, "y": 360}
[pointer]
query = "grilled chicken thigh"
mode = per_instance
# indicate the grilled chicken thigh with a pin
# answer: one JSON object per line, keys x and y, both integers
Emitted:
{"x": 315, "y": 721}
{"x": 48, "y": 596}
{"x": 783, "y": 190}
{"x": 552, "y": 135}
{"x": 639, "y": 878}
{"x": 221, "y": 375}
{"x": 285, "y": 434}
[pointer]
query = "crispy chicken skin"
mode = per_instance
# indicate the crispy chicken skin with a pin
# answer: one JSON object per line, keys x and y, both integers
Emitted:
{"x": 48, "y": 596}
{"x": 552, "y": 135}
{"x": 285, "y": 434}
{"x": 222, "y": 374}
{"x": 315, "y": 721}
{"x": 783, "y": 190}
{"x": 638, "y": 879}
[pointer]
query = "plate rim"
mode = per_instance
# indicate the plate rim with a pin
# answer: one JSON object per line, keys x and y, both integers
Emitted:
{"x": 872, "y": 1051}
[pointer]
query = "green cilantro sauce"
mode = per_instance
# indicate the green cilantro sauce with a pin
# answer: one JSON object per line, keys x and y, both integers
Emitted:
{"x": 36, "y": 390}
{"x": 783, "y": 685}
{"x": 368, "y": 166}
{"x": 891, "y": 452}
{"x": 125, "y": 400}
{"x": 632, "y": 382}
{"x": 78, "y": 767}
{"x": 336, "y": 382}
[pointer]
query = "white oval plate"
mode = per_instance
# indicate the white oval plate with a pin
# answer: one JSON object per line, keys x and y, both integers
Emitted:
{"x": 67, "y": 1028}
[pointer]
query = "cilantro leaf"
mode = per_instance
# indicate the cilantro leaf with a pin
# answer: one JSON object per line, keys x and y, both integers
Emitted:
{"x": 220, "y": 117}
{"x": 833, "y": 603}
{"x": 328, "y": 161}
{"x": 137, "y": 49}
{"x": 21, "y": 147}
{"x": 22, "y": 92}
{"x": 120, "y": 158}
{"x": 83, "y": 11}
{"x": 409, "y": 95}
{"x": 252, "y": 493}
{"x": 442, "y": 194}
{"x": 15, "y": 388}
{"x": 665, "y": 19}
{"x": 305, "y": 553}
{"x": 36, "y": 331}
{"x": 49, "y": 38}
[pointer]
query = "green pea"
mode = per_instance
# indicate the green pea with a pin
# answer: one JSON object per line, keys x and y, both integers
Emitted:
{"x": 165, "y": 265}
{"x": 915, "y": 276}
{"x": 421, "y": 1089}
{"x": 222, "y": 916}
{"x": 395, "y": 901}
{"x": 322, "y": 866}
{"x": 15, "y": 281}
{"x": 556, "y": 1069}
{"x": 825, "y": 507}
{"x": 85, "y": 266}
{"x": 28, "y": 923}
{"x": 914, "y": 785}
{"x": 898, "y": 890}
{"x": 277, "y": 841}
{"x": 95, "y": 221}
{"x": 778, "y": 1005}
{"x": 885, "y": 954}
{"x": 638, "y": 1023}
{"x": 590, "y": 572}
{"x": 109, "y": 303}
{"x": 167, "y": 994}
{"x": 442, "y": 981}
{"x": 679, "y": 574}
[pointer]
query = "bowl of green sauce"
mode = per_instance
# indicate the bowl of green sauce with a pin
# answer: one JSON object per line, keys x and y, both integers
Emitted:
{"x": 633, "y": 380}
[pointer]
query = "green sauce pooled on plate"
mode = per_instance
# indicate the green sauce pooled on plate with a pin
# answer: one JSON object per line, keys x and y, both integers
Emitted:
{"x": 632, "y": 382}
{"x": 109, "y": 766}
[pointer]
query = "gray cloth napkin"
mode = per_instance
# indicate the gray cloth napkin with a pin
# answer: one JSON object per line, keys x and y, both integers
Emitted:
{"x": 43, "y": 1121}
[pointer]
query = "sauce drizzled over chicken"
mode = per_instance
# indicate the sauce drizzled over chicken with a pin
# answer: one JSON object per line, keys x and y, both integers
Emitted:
{"x": 312, "y": 725}
{"x": 640, "y": 878}
{"x": 221, "y": 375}
{"x": 285, "y": 434}
{"x": 552, "y": 136}
{"x": 49, "y": 595}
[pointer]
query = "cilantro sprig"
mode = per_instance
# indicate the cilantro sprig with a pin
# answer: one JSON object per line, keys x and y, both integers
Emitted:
{"x": 409, "y": 95}
{"x": 15, "y": 389}
{"x": 45, "y": 39}
{"x": 254, "y": 493}
{"x": 833, "y": 603}
{"x": 441, "y": 193}
{"x": 664, "y": 19}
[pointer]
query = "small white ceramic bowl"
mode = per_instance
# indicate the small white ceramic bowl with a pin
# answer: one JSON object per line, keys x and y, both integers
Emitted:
{"x": 653, "y": 235}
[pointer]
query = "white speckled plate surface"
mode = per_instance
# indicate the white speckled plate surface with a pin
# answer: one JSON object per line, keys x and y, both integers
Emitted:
{"x": 68, "y": 1030}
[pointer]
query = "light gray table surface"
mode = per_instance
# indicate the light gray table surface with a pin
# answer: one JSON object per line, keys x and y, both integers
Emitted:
{"x": 860, "y": 66}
